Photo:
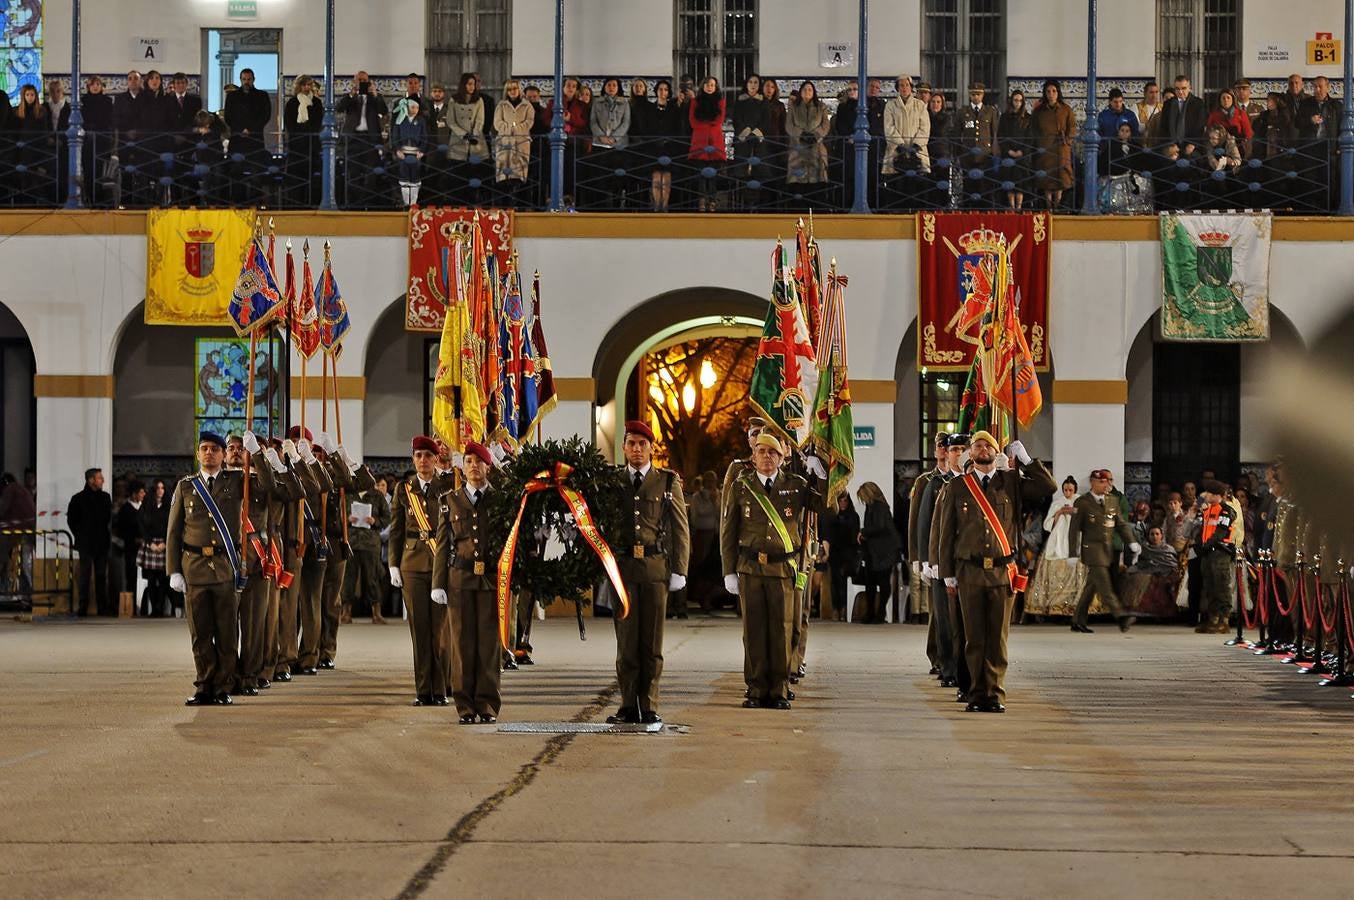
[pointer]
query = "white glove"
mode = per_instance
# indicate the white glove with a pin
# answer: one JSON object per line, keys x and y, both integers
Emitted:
{"x": 347, "y": 460}
{"x": 439, "y": 597}
{"x": 951, "y": 582}
{"x": 731, "y": 584}
{"x": 275, "y": 461}
{"x": 916, "y": 567}
{"x": 251, "y": 443}
{"x": 497, "y": 452}
{"x": 676, "y": 582}
{"x": 325, "y": 442}
{"x": 289, "y": 448}
{"x": 458, "y": 460}
{"x": 177, "y": 583}
{"x": 1135, "y": 547}
{"x": 395, "y": 579}
{"x": 815, "y": 465}
{"x": 1017, "y": 449}
{"x": 303, "y": 448}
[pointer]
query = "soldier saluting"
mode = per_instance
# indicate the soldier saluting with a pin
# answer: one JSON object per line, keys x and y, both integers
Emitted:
{"x": 653, "y": 560}
{"x": 203, "y": 561}
{"x": 978, "y": 530}
{"x": 760, "y": 529}
{"x": 464, "y": 568}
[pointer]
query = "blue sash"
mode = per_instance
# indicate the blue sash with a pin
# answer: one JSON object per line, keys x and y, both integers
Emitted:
{"x": 208, "y": 501}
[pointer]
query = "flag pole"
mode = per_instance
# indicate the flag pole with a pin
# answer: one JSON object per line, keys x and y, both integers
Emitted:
{"x": 1015, "y": 464}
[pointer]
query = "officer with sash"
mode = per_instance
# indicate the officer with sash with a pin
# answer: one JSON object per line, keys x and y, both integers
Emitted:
{"x": 267, "y": 485}
{"x": 760, "y": 530}
{"x": 1096, "y": 519}
{"x": 203, "y": 562}
{"x": 300, "y": 533}
{"x": 652, "y": 553}
{"x": 978, "y": 534}
{"x": 463, "y": 582}
{"x": 315, "y": 557}
{"x": 413, "y": 551}
{"x": 348, "y": 476}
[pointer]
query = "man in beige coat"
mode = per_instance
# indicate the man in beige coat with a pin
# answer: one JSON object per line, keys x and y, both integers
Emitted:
{"x": 907, "y": 128}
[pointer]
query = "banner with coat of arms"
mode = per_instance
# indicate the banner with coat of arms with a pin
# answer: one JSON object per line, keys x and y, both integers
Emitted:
{"x": 193, "y": 258}
{"x": 1215, "y": 277}
{"x": 965, "y": 261}
{"x": 430, "y": 232}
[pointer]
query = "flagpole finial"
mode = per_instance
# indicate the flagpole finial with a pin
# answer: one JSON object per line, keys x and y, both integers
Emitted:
{"x": 834, "y": 262}
{"x": 270, "y": 223}
{"x": 288, "y": 245}
{"x": 327, "y": 247}
{"x": 305, "y": 247}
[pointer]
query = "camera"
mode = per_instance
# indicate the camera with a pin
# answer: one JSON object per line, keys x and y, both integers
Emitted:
{"x": 364, "y": 87}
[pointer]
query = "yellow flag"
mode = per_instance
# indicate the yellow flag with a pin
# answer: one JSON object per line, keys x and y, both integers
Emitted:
{"x": 193, "y": 258}
{"x": 458, "y": 410}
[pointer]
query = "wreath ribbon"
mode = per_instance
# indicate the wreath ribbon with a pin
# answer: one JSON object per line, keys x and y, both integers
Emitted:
{"x": 556, "y": 478}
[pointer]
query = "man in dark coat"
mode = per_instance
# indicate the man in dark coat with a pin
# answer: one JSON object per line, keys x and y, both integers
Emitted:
{"x": 88, "y": 516}
{"x": 248, "y": 113}
{"x": 1184, "y": 120}
{"x": 127, "y": 527}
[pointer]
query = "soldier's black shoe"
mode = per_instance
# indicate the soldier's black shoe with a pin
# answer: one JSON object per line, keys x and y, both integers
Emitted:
{"x": 960, "y": 697}
{"x": 975, "y": 706}
{"x": 935, "y": 670}
{"x": 441, "y": 700}
{"x": 250, "y": 692}
{"x": 749, "y": 703}
{"x": 1082, "y": 629}
{"x": 1126, "y": 622}
{"x": 423, "y": 700}
{"x": 200, "y": 699}
{"x": 509, "y": 664}
{"x": 284, "y": 676}
{"x": 526, "y": 660}
{"x": 326, "y": 664}
{"x": 992, "y": 706}
{"x": 789, "y": 694}
{"x": 468, "y": 719}
{"x": 652, "y": 718}
{"x": 794, "y": 679}
{"x": 223, "y": 699}
{"x": 801, "y": 672}
{"x": 309, "y": 670}
{"x": 780, "y": 703}
{"x": 264, "y": 684}
{"x": 486, "y": 719}
{"x": 948, "y": 682}
{"x": 623, "y": 716}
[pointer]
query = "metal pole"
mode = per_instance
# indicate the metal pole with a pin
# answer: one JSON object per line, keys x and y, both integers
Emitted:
{"x": 328, "y": 124}
{"x": 557, "y": 118}
{"x": 1347, "y": 120}
{"x": 1090, "y": 134}
{"x": 75, "y": 131}
{"x": 861, "y": 202}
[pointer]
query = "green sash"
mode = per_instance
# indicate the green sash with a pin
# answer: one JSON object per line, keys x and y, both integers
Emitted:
{"x": 779, "y": 524}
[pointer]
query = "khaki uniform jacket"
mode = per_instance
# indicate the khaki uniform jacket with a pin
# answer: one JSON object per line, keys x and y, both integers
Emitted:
{"x": 462, "y": 542}
{"x": 938, "y": 486}
{"x": 269, "y": 492}
{"x": 369, "y": 538}
{"x": 976, "y": 130}
{"x": 410, "y": 550}
{"x": 914, "y": 551}
{"x": 745, "y": 530}
{"x": 191, "y": 525}
{"x": 1287, "y": 527}
{"x": 1093, "y": 527}
{"x": 964, "y": 532}
{"x": 655, "y": 540}
{"x": 319, "y": 484}
{"x": 336, "y": 512}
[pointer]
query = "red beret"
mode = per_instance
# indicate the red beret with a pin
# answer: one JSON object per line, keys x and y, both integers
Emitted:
{"x": 423, "y": 442}
{"x": 474, "y": 449}
{"x": 297, "y": 432}
{"x": 634, "y": 426}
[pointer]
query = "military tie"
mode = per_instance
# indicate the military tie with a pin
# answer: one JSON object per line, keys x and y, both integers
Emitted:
{"x": 476, "y": 500}
{"x": 768, "y": 483}
{"x": 985, "y": 480}
{"x": 424, "y": 491}
{"x": 211, "y": 480}
{"x": 639, "y": 479}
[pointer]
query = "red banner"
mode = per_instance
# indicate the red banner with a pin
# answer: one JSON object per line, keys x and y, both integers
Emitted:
{"x": 964, "y": 260}
{"x": 430, "y": 231}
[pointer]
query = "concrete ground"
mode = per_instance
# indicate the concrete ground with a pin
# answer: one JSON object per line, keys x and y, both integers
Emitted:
{"x": 1156, "y": 764}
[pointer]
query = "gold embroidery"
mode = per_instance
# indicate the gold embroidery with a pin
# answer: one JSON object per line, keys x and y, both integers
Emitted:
{"x": 1040, "y": 228}
{"x": 931, "y": 354}
{"x": 1037, "y": 343}
{"x": 928, "y": 227}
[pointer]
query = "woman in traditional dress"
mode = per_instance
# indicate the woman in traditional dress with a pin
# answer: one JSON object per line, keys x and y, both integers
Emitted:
{"x": 1059, "y": 576}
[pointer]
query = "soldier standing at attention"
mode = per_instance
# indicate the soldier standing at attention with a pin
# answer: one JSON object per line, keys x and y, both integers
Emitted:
{"x": 364, "y": 569}
{"x": 756, "y": 425}
{"x": 759, "y": 533}
{"x": 309, "y": 597}
{"x": 347, "y": 475}
{"x": 1096, "y": 520}
{"x": 203, "y": 563}
{"x": 921, "y": 588}
{"x": 413, "y": 547}
{"x": 267, "y": 485}
{"x": 978, "y": 533}
{"x": 279, "y": 585}
{"x": 652, "y": 560}
{"x": 464, "y": 571}
{"x": 302, "y": 531}
{"x": 949, "y": 629}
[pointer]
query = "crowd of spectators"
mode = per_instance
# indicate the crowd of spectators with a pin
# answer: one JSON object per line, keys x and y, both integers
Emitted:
{"x": 700, "y": 146}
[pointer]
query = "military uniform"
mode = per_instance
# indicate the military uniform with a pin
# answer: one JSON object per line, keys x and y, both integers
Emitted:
{"x": 267, "y": 490}
{"x": 944, "y": 608}
{"x": 301, "y": 532}
{"x": 364, "y": 573}
{"x": 412, "y": 552}
{"x": 336, "y": 521}
{"x": 1217, "y": 555}
{"x": 1285, "y": 545}
{"x": 196, "y": 550}
{"x": 920, "y": 590}
{"x": 1094, "y": 526}
{"x": 970, "y": 553}
{"x": 466, "y": 566}
{"x": 310, "y": 595}
{"x": 655, "y": 544}
{"x": 752, "y": 548}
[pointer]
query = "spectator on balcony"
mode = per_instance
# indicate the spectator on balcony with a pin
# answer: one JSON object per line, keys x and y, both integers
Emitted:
{"x": 938, "y": 146}
{"x": 663, "y": 125}
{"x": 975, "y": 140}
{"x": 1119, "y": 154}
{"x": 1184, "y": 118}
{"x": 1114, "y": 114}
{"x": 466, "y": 149}
{"x": 610, "y": 118}
{"x": 1219, "y": 155}
{"x": 1055, "y": 128}
{"x": 301, "y": 119}
{"x": 907, "y": 130}
{"x": 775, "y": 117}
{"x": 924, "y": 93}
{"x": 1293, "y": 99}
{"x": 751, "y": 119}
{"x": 1253, "y": 108}
{"x": 639, "y": 105}
{"x": 575, "y": 117}
{"x": 36, "y": 153}
{"x": 434, "y": 189}
{"x": 1272, "y": 127}
{"x": 413, "y": 90}
{"x": 1234, "y": 119}
{"x": 1015, "y": 137}
{"x": 1319, "y": 128}
{"x": 841, "y": 148}
{"x": 513, "y": 118}
{"x": 486, "y": 100}
{"x": 706, "y": 118}
{"x": 130, "y": 117}
{"x": 58, "y": 120}
{"x": 1148, "y": 107}
{"x": 362, "y": 115}
{"x": 96, "y": 107}
{"x": 200, "y": 162}
{"x": 585, "y": 98}
{"x": 182, "y": 106}
{"x": 408, "y": 146}
{"x": 806, "y": 124}
{"x": 248, "y": 113}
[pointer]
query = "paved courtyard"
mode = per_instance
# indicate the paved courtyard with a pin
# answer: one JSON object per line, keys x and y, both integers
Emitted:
{"x": 1154, "y": 764}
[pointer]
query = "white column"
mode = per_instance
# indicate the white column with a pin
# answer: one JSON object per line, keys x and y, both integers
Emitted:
{"x": 1088, "y": 436}
{"x": 74, "y": 434}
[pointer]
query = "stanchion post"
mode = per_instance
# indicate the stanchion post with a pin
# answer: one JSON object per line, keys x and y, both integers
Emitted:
{"x": 1318, "y": 666}
{"x": 1341, "y": 678}
{"x": 1238, "y": 580}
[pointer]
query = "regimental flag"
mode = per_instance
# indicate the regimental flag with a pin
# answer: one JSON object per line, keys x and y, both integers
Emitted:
{"x": 545, "y": 377}
{"x": 785, "y": 376}
{"x": 256, "y": 298}
{"x": 458, "y": 400}
{"x": 1021, "y": 397}
{"x": 333, "y": 312}
{"x": 833, "y": 437}
{"x": 518, "y": 403}
{"x": 305, "y": 320}
{"x": 975, "y": 409}
{"x": 192, "y": 258}
{"x": 1215, "y": 277}
{"x": 432, "y": 230}
{"x": 808, "y": 268}
{"x": 483, "y": 289}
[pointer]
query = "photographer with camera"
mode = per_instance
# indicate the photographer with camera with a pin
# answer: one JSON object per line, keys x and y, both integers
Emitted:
{"x": 363, "y": 115}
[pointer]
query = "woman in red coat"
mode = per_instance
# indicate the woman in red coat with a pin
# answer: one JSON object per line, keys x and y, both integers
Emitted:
{"x": 1234, "y": 119}
{"x": 706, "y": 114}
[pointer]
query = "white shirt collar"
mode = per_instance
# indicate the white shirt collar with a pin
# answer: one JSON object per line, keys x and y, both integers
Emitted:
{"x": 470, "y": 490}
{"x": 135, "y": 504}
{"x": 632, "y": 470}
{"x": 421, "y": 483}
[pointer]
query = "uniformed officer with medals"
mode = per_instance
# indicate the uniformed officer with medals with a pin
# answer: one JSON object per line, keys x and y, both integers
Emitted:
{"x": 652, "y": 554}
{"x": 977, "y": 541}
{"x": 760, "y": 532}
{"x": 463, "y": 583}
{"x": 203, "y": 562}
{"x": 413, "y": 550}
{"x": 1096, "y": 519}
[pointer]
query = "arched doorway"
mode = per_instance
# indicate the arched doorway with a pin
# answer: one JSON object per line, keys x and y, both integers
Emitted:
{"x": 18, "y": 406}
{"x": 399, "y": 368}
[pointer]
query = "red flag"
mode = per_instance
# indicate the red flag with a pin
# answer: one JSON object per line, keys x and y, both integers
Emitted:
{"x": 305, "y": 324}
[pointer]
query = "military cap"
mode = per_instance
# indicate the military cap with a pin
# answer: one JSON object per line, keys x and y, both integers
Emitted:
{"x": 481, "y": 451}
{"x": 634, "y": 426}
{"x": 423, "y": 442}
{"x": 211, "y": 437}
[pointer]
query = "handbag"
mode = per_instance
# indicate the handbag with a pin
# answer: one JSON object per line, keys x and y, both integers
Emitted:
{"x": 861, "y": 574}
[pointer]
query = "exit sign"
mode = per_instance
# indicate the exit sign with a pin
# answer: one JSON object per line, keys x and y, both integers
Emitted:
{"x": 864, "y": 435}
{"x": 242, "y": 9}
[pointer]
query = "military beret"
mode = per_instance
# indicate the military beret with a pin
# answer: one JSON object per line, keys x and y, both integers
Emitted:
{"x": 1100, "y": 473}
{"x": 984, "y": 436}
{"x": 958, "y": 439}
{"x": 480, "y": 451}
{"x": 423, "y": 442}
{"x": 767, "y": 439}
{"x": 211, "y": 437}
{"x": 634, "y": 426}
{"x": 297, "y": 432}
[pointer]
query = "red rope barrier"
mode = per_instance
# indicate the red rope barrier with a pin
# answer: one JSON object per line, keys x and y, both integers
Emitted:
{"x": 1262, "y": 593}
{"x": 1326, "y": 627}
{"x": 1307, "y": 617}
{"x": 1278, "y": 604}
{"x": 1349, "y": 617}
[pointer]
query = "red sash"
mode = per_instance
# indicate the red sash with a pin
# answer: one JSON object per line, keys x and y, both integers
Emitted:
{"x": 1018, "y": 580}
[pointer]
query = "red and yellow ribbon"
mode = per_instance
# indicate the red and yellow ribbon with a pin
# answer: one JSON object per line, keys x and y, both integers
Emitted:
{"x": 556, "y": 478}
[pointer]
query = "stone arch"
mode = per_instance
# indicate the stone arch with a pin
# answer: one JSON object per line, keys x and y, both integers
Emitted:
{"x": 18, "y": 440}
{"x": 394, "y": 368}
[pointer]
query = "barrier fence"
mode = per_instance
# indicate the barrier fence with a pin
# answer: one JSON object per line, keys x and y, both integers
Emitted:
{"x": 38, "y": 570}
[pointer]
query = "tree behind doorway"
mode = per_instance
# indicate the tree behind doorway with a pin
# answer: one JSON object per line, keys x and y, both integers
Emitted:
{"x": 695, "y": 395}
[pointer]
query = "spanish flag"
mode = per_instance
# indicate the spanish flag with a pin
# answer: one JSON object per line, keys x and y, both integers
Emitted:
{"x": 193, "y": 258}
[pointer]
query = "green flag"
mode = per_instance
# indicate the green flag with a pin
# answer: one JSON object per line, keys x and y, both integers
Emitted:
{"x": 1215, "y": 277}
{"x": 833, "y": 437}
{"x": 785, "y": 376}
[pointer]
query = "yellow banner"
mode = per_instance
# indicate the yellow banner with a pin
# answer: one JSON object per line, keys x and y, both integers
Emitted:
{"x": 193, "y": 259}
